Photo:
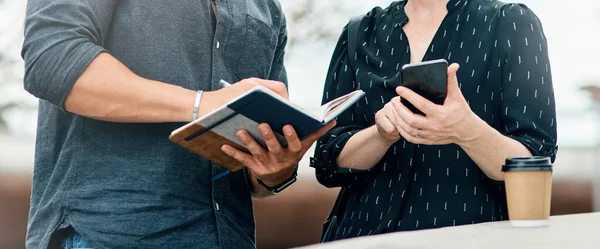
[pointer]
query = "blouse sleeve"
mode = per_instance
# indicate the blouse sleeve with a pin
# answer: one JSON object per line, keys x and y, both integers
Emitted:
{"x": 340, "y": 81}
{"x": 528, "y": 110}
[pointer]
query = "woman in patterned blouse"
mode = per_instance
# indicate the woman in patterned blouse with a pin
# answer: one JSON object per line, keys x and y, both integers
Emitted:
{"x": 403, "y": 171}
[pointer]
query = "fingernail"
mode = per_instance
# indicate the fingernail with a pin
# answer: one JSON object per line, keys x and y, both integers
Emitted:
{"x": 226, "y": 149}
{"x": 264, "y": 130}
{"x": 287, "y": 130}
{"x": 243, "y": 136}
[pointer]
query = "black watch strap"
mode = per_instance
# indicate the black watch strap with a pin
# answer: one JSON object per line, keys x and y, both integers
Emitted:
{"x": 277, "y": 189}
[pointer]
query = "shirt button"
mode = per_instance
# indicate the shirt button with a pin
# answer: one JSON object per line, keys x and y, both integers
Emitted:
{"x": 217, "y": 206}
{"x": 218, "y": 44}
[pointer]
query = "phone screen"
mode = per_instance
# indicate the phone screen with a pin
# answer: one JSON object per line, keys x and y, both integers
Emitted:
{"x": 428, "y": 79}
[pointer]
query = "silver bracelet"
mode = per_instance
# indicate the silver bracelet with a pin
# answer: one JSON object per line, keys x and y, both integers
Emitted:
{"x": 196, "y": 105}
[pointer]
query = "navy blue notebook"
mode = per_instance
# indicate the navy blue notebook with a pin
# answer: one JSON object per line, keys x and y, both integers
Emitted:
{"x": 206, "y": 135}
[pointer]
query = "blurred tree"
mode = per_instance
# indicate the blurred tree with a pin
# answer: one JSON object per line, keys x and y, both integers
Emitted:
{"x": 12, "y": 96}
{"x": 7, "y": 79}
{"x": 312, "y": 21}
{"x": 304, "y": 24}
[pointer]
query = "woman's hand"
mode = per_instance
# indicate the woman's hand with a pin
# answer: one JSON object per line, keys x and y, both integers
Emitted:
{"x": 386, "y": 124}
{"x": 450, "y": 123}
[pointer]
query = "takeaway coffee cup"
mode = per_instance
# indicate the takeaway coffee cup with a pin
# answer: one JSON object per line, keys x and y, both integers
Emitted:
{"x": 528, "y": 190}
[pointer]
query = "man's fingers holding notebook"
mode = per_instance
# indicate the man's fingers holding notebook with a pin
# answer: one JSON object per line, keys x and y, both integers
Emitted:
{"x": 294, "y": 143}
{"x": 278, "y": 153}
{"x": 272, "y": 166}
{"x": 257, "y": 151}
{"x": 277, "y": 163}
{"x": 240, "y": 156}
{"x": 276, "y": 86}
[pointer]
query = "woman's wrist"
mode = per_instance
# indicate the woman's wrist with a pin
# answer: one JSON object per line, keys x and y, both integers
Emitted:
{"x": 474, "y": 130}
{"x": 377, "y": 137}
{"x": 363, "y": 150}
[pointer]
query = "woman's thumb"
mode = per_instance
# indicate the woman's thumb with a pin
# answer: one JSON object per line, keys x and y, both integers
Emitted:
{"x": 452, "y": 79}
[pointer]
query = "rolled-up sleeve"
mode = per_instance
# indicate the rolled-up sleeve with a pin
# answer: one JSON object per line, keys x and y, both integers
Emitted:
{"x": 61, "y": 38}
{"x": 528, "y": 104}
{"x": 340, "y": 81}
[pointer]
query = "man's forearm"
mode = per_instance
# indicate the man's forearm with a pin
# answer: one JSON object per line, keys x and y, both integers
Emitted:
{"x": 107, "y": 90}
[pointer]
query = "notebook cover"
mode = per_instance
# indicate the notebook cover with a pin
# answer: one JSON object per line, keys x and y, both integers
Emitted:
{"x": 206, "y": 135}
{"x": 208, "y": 145}
{"x": 268, "y": 109}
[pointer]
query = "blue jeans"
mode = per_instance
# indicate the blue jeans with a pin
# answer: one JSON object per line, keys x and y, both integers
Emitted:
{"x": 75, "y": 241}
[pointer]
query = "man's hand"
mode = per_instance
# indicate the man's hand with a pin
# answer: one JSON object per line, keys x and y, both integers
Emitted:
{"x": 276, "y": 163}
{"x": 215, "y": 99}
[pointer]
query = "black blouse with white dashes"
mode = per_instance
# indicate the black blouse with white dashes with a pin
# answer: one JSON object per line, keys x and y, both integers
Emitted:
{"x": 505, "y": 76}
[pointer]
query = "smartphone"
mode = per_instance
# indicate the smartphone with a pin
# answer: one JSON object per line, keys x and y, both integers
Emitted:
{"x": 428, "y": 79}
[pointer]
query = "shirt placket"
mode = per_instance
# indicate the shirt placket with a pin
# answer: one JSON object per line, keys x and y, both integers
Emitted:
{"x": 219, "y": 44}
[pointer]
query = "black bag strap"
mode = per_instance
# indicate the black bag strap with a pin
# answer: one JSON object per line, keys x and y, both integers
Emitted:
{"x": 336, "y": 211}
{"x": 340, "y": 202}
{"x": 331, "y": 224}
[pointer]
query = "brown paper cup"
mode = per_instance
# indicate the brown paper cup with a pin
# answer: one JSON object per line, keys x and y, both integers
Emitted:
{"x": 528, "y": 190}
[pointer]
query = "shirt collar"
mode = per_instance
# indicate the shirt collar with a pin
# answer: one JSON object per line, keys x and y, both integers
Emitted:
{"x": 402, "y": 18}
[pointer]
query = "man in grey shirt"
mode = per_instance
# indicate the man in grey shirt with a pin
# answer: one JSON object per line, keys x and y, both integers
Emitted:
{"x": 114, "y": 79}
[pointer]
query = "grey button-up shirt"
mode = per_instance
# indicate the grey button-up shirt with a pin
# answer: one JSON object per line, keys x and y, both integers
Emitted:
{"x": 127, "y": 185}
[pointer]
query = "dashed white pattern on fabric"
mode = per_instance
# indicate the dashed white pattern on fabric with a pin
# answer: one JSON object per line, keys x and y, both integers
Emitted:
{"x": 502, "y": 51}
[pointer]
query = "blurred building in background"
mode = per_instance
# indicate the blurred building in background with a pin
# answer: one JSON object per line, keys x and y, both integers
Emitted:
{"x": 314, "y": 27}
